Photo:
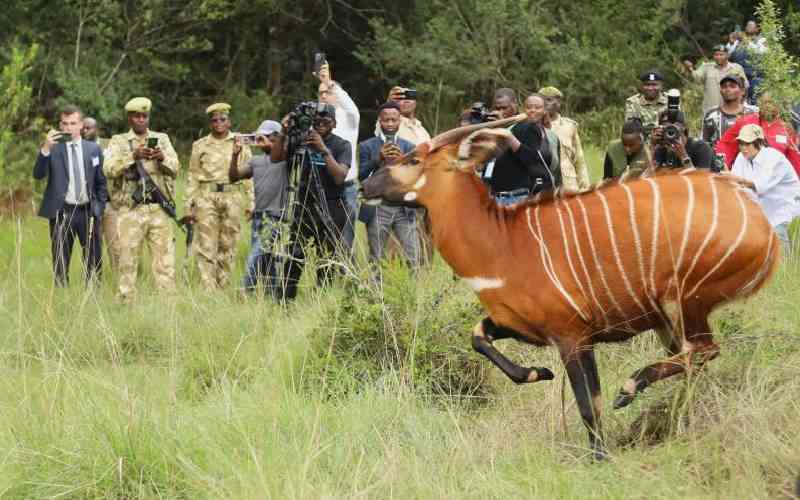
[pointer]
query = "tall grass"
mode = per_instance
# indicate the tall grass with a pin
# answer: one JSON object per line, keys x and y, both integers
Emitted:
{"x": 194, "y": 395}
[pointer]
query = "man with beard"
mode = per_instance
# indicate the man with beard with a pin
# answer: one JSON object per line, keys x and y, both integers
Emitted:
{"x": 319, "y": 214}
{"x": 574, "y": 172}
{"x": 141, "y": 218}
{"x": 776, "y": 133}
{"x": 719, "y": 119}
{"x": 215, "y": 203}
{"x": 649, "y": 103}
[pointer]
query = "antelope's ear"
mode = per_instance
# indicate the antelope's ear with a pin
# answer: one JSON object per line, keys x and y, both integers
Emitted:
{"x": 481, "y": 146}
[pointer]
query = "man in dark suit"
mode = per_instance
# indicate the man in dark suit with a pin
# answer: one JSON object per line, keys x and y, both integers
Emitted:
{"x": 75, "y": 196}
{"x": 374, "y": 153}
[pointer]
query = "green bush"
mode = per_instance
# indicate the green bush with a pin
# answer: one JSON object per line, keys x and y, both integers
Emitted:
{"x": 415, "y": 328}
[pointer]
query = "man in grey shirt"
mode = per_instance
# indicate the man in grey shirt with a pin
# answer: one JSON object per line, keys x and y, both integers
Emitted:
{"x": 270, "y": 181}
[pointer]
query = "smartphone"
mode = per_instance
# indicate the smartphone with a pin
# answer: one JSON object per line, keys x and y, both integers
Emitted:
{"x": 248, "y": 139}
{"x": 319, "y": 61}
{"x": 410, "y": 94}
{"x": 152, "y": 142}
{"x": 64, "y": 137}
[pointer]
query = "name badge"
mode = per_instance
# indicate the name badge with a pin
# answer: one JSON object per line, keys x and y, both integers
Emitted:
{"x": 96, "y": 161}
{"x": 780, "y": 139}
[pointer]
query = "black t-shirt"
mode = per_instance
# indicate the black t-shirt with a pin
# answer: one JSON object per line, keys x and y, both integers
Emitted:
{"x": 528, "y": 166}
{"x": 342, "y": 153}
{"x": 699, "y": 151}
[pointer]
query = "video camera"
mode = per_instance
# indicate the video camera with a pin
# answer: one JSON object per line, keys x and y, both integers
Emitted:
{"x": 301, "y": 119}
{"x": 672, "y": 128}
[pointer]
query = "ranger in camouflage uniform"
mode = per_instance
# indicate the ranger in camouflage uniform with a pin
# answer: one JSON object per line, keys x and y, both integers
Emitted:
{"x": 143, "y": 220}
{"x": 109, "y": 222}
{"x": 647, "y": 105}
{"x": 574, "y": 172}
{"x": 214, "y": 203}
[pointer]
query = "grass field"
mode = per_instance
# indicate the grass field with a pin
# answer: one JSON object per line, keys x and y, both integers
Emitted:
{"x": 190, "y": 396}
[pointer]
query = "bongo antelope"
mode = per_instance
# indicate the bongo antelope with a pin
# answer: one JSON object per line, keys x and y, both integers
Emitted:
{"x": 660, "y": 252}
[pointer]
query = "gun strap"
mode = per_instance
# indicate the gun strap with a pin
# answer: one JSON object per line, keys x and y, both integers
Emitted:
{"x": 154, "y": 192}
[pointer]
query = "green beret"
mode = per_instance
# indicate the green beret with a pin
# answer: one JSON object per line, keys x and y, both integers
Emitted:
{"x": 220, "y": 107}
{"x": 551, "y": 92}
{"x": 139, "y": 105}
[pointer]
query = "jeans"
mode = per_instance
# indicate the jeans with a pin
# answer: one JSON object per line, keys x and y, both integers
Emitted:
{"x": 507, "y": 198}
{"x": 350, "y": 199}
{"x": 782, "y": 230}
{"x": 402, "y": 222}
{"x": 261, "y": 262}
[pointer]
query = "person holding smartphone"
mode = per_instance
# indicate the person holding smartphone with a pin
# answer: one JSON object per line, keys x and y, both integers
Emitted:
{"x": 347, "y": 121}
{"x": 140, "y": 217}
{"x": 75, "y": 196}
{"x": 215, "y": 203}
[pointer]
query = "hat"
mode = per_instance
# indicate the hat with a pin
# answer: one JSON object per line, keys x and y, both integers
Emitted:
{"x": 220, "y": 107}
{"x": 269, "y": 127}
{"x": 720, "y": 48}
{"x": 139, "y": 105}
{"x": 651, "y": 76}
{"x": 550, "y": 92}
{"x": 750, "y": 133}
{"x": 326, "y": 109}
{"x": 732, "y": 78}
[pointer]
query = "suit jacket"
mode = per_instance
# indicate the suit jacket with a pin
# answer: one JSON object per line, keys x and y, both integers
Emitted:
{"x": 54, "y": 166}
{"x": 368, "y": 162}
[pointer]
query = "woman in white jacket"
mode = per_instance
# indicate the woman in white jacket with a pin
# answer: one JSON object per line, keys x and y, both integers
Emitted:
{"x": 777, "y": 187}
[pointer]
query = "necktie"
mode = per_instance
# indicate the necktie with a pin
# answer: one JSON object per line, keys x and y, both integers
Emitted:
{"x": 77, "y": 175}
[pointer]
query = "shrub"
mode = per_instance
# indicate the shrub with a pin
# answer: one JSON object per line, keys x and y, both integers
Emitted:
{"x": 413, "y": 327}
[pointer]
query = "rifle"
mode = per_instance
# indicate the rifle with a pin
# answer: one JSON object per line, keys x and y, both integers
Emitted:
{"x": 149, "y": 190}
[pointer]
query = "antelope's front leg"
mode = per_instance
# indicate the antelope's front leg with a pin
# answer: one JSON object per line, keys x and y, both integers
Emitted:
{"x": 582, "y": 371}
{"x": 483, "y": 335}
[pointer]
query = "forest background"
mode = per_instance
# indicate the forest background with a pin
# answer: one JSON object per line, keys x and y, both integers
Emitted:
{"x": 257, "y": 55}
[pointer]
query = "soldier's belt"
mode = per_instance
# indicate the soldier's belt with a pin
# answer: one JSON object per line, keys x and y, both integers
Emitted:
{"x": 214, "y": 187}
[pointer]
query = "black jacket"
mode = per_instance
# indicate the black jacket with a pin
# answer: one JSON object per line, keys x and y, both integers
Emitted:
{"x": 54, "y": 167}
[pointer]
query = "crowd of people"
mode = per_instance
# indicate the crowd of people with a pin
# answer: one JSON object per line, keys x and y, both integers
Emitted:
{"x": 301, "y": 187}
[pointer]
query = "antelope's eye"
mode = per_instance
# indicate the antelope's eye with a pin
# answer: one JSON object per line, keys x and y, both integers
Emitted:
{"x": 413, "y": 161}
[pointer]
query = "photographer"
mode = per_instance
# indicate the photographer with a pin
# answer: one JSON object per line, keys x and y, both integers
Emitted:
{"x": 269, "y": 182}
{"x": 411, "y": 128}
{"x": 673, "y": 148}
{"x": 376, "y": 153}
{"x": 530, "y": 164}
{"x": 319, "y": 212}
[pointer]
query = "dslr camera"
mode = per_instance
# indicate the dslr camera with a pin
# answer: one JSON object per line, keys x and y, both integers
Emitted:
{"x": 672, "y": 129}
{"x": 480, "y": 113}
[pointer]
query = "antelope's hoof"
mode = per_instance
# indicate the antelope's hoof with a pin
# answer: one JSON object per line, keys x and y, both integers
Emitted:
{"x": 623, "y": 399}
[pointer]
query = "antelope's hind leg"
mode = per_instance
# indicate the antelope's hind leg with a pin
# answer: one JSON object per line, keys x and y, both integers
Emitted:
{"x": 482, "y": 336}
{"x": 695, "y": 351}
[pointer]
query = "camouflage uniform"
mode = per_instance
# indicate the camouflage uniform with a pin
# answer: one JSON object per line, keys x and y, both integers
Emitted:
{"x": 217, "y": 206}
{"x": 638, "y": 107}
{"x": 111, "y": 213}
{"x": 143, "y": 221}
{"x": 574, "y": 172}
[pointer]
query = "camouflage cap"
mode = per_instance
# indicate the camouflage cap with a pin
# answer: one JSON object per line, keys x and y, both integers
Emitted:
{"x": 219, "y": 107}
{"x": 326, "y": 109}
{"x": 551, "y": 92}
{"x": 139, "y": 105}
{"x": 750, "y": 133}
{"x": 651, "y": 76}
